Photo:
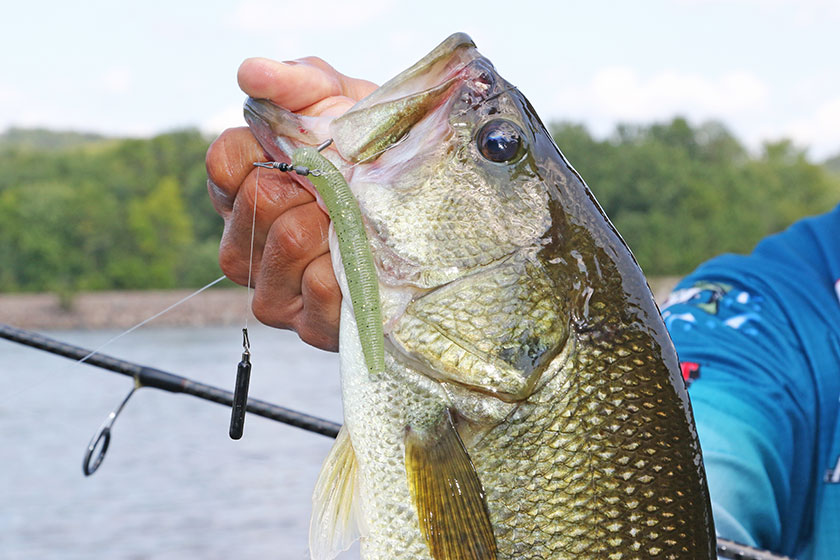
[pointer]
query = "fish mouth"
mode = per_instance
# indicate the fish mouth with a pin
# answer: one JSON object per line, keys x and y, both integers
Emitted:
{"x": 384, "y": 117}
{"x": 377, "y": 121}
{"x": 278, "y": 130}
{"x": 259, "y": 114}
{"x": 451, "y": 71}
{"x": 442, "y": 63}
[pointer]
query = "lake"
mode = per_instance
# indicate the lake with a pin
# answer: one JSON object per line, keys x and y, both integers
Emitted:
{"x": 173, "y": 484}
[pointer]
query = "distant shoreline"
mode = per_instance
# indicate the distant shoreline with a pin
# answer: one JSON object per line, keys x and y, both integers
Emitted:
{"x": 124, "y": 309}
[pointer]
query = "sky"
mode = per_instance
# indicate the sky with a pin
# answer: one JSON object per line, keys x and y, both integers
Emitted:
{"x": 766, "y": 68}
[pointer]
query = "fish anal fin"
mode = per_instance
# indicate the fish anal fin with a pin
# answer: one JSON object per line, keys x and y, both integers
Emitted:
{"x": 336, "y": 510}
{"x": 447, "y": 495}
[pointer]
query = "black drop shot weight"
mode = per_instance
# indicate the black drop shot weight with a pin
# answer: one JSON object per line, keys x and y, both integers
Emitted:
{"x": 240, "y": 390}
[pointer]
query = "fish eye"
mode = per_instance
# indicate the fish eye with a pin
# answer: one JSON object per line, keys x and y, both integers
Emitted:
{"x": 499, "y": 140}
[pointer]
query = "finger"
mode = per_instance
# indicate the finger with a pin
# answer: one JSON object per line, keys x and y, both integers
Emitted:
{"x": 354, "y": 88}
{"x": 295, "y": 239}
{"x": 277, "y": 194}
{"x": 331, "y": 106}
{"x": 221, "y": 200}
{"x": 297, "y": 84}
{"x": 289, "y": 84}
{"x": 229, "y": 160}
{"x": 318, "y": 321}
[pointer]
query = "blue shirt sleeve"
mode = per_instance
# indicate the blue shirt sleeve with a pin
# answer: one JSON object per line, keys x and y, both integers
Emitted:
{"x": 756, "y": 336}
{"x": 753, "y": 410}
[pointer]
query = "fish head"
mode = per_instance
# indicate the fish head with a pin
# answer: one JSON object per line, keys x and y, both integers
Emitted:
{"x": 444, "y": 166}
{"x": 488, "y": 244}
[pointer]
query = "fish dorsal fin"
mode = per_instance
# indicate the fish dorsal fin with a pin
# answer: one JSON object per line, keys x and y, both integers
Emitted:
{"x": 447, "y": 495}
{"x": 336, "y": 513}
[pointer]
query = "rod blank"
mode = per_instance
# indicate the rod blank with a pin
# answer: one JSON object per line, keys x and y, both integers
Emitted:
{"x": 150, "y": 377}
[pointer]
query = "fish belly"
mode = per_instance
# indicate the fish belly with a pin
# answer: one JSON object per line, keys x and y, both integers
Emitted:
{"x": 376, "y": 412}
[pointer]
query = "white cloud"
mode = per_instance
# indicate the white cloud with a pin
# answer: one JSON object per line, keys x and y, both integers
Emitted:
{"x": 620, "y": 94}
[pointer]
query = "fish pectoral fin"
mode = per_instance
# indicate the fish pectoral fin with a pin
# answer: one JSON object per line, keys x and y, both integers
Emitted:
{"x": 447, "y": 495}
{"x": 336, "y": 509}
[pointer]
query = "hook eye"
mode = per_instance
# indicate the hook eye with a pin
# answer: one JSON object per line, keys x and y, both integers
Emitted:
{"x": 103, "y": 435}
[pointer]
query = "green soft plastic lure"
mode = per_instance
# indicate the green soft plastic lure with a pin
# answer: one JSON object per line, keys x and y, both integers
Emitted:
{"x": 362, "y": 281}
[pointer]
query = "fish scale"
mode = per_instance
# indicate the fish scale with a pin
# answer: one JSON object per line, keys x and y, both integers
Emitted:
{"x": 598, "y": 485}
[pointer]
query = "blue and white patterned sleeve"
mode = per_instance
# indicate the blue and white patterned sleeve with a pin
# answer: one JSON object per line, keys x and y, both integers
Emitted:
{"x": 753, "y": 404}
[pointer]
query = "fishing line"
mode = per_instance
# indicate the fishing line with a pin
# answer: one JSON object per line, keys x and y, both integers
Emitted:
{"x": 98, "y": 444}
{"x": 8, "y": 396}
{"x": 250, "y": 299}
{"x": 243, "y": 368}
{"x": 152, "y": 318}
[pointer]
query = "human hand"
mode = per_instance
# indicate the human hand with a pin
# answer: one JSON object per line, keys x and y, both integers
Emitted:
{"x": 294, "y": 285}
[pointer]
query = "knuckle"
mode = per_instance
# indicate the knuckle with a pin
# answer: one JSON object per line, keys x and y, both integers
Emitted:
{"x": 216, "y": 159}
{"x": 327, "y": 77}
{"x": 315, "y": 61}
{"x": 291, "y": 233}
{"x": 320, "y": 283}
{"x": 318, "y": 337}
{"x": 271, "y": 313}
{"x": 232, "y": 264}
{"x": 228, "y": 158}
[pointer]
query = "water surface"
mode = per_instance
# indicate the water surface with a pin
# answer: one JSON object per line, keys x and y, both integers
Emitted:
{"x": 173, "y": 484}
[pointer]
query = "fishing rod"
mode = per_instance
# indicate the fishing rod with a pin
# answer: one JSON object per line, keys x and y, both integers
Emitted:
{"x": 145, "y": 376}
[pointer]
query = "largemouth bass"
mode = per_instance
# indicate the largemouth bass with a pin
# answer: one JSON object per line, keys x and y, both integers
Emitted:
{"x": 531, "y": 404}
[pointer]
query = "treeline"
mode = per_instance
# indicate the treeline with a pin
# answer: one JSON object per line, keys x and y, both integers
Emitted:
{"x": 680, "y": 194}
{"x": 81, "y": 212}
{"x": 105, "y": 214}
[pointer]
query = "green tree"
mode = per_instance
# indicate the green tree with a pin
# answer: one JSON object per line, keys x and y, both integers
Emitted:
{"x": 681, "y": 194}
{"x": 162, "y": 232}
{"x": 80, "y": 212}
{"x": 105, "y": 213}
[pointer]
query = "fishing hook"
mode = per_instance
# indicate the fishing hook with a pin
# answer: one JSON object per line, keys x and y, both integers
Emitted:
{"x": 299, "y": 169}
{"x": 285, "y": 167}
{"x": 103, "y": 435}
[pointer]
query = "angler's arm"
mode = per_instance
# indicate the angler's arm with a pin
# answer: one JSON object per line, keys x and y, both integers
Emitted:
{"x": 755, "y": 402}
